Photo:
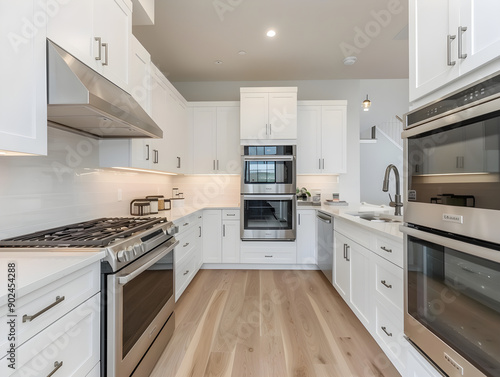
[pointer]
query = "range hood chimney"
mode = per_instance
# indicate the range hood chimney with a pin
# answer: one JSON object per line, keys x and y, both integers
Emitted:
{"x": 82, "y": 101}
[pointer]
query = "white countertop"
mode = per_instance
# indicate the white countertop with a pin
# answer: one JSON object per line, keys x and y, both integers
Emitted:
{"x": 35, "y": 269}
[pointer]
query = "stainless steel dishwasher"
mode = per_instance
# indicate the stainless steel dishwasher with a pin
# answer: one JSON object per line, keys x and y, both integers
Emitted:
{"x": 324, "y": 226}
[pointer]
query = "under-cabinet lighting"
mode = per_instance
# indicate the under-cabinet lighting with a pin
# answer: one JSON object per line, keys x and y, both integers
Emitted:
{"x": 145, "y": 171}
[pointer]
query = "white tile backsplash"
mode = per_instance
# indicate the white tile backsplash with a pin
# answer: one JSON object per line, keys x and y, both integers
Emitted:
{"x": 326, "y": 184}
{"x": 206, "y": 190}
{"x": 67, "y": 186}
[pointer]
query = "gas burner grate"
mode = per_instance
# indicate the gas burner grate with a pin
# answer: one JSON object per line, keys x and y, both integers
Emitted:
{"x": 94, "y": 233}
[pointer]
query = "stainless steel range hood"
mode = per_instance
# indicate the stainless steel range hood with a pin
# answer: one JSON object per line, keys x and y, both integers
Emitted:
{"x": 82, "y": 101}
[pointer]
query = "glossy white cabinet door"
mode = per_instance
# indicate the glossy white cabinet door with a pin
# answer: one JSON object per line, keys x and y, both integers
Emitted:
{"x": 231, "y": 241}
{"x": 282, "y": 116}
{"x": 306, "y": 236}
{"x": 113, "y": 23}
{"x": 254, "y": 115}
{"x": 333, "y": 139}
{"x": 228, "y": 140}
{"x": 481, "y": 40}
{"x": 23, "y": 97}
{"x": 176, "y": 148}
{"x": 205, "y": 140}
{"x": 430, "y": 24}
{"x": 309, "y": 140}
{"x": 212, "y": 240}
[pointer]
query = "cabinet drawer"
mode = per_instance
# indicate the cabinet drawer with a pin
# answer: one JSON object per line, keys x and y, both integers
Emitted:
{"x": 187, "y": 222}
{"x": 389, "y": 335}
{"x": 390, "y": 249}
{"x": 230, "y": 214}
{"x": 73, "y": 341}
{"x": 184, "y": 273}
{"x": 68, "y": 292}
{"x": 389, "y": 282}
{"x": 268, "y": 257}
{"x": 188, "y": 241}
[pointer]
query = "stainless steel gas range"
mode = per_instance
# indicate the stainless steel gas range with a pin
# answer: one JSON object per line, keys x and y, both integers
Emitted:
{"x": 137, "y": 284}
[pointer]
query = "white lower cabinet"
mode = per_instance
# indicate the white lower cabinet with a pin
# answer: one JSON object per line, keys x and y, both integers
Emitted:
{"x": 96, "y": 371}
{"x": 306, "y": 236}
{"x": 188, "y": 253}
{"x": 221, "y": 236}
{"x": 417, "y": 366}
{"x": 273, "y": 252}
{"x": 68, "y": 347}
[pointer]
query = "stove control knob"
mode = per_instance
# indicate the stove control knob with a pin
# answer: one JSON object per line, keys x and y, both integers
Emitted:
{"x": 138, "y": 250}
{"x": 122, "y": 256}
{"x": 131, "y": 252}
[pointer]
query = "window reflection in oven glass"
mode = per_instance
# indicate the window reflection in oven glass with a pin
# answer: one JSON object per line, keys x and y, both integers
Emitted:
{"x": 457, "y": 297}
{"x": 267, "y": 172}
{"x": 268, "y": 214}
{"x": 144, "y": 297}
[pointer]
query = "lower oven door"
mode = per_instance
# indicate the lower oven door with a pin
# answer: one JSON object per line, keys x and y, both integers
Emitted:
{"x": 452, "y": 301}
{"x": 268, "y": 217}
{"x": 140, "y": 300}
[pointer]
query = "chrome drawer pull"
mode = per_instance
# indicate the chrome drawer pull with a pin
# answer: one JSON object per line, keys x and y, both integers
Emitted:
{"x": 384, "y": 329}
{"x": 99, "y": 41}
{"x": 384, "y": 283}
{"x": 27, "y": 318}
{"x": 185, "y": 224}
{"x": 386, "y": 249}
{"x": 231, "y": 214}
{"x": 185, "y": 273}
{"x": 186, "y": 244}
{"x": 268, "y": 256}
{"x": 56, "y": 368}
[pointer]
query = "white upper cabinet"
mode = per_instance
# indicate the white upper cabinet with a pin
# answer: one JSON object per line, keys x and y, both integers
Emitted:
{"x": 97, "y": 33}
{"x": 23, "y": 97}
{"x": 268, "y": 113}
{"x": 216, "y": 137}
{"x": 449, "y": 39}
{"x": 140, "y": 74}
{"x": 321, "y": 137}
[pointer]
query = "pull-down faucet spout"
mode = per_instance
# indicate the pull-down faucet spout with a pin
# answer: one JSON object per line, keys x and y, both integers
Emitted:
{"x": 397, "y": 204}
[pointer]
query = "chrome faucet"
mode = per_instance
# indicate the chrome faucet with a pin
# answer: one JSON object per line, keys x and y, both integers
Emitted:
{"x": 397, "y": 204}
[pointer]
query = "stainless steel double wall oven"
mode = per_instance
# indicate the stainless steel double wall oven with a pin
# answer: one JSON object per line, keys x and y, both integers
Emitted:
{"x": 452, "y": 234}
{"x": 268, "y": 200}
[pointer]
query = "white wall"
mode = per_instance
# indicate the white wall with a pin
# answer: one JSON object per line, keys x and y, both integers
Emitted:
{"x": 375, "y": 157}
{"x": 349, "y": 90}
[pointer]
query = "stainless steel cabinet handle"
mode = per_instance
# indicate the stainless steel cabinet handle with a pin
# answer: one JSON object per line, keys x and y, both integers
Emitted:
{"x": 299, "y": 218}
{"x": 99, "y": 56}
{"x": 178, "y": 162}
{"x": 461, "y": 31}
{"x": 347, "y": 252}
{"x": 214, "y": 164}
{"x": 319, "y": 163}
{"x": 147, "y": 152}
{"x": 27, "y": 318}
{"x": 200, "y": 231}
{"x": 185, "y": 273}
{"x": 270, "y": 128}
{"x": 268, "y": 256}
{"x": 56, "y": 368}
{"x": 155, "y": 156}
{"x": 185, "y": 224}
{"x": 217, "y": 164}
{"x": 384, "y": 329}
{"x": 105, "y": 45}
{"x": 385, "y": 283}
{"x": 448, "y": 50}
{"x": 186, "y": 244}
{"x": 223, "y": 230}
{"x": 323, "y": 163}
{"x": 386, "y": 249}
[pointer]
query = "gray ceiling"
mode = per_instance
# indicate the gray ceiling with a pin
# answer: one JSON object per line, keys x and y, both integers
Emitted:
{"x": 313, "y": 38}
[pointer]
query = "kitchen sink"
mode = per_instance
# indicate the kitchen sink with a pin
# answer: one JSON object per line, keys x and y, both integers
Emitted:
{"x": 377, "y": 217}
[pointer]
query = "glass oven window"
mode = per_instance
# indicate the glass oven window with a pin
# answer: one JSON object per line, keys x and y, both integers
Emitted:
{"x": 458, "y": 165}
{"x": 268, "y": 214}
{"x": 144, "y": 297}
{"x": 457, "y": 297}
{"x": 264, "y": 172}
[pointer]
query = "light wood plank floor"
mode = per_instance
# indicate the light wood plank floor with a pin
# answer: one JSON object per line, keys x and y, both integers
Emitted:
{"x": 268, "y": 324}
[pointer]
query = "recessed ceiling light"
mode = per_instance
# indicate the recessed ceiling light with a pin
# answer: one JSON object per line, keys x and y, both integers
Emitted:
{"x": 350, "y": 60}
{"x": 242, "y": 52}
{"x": 271, "y": 33}
{"x": 218, "y": 62}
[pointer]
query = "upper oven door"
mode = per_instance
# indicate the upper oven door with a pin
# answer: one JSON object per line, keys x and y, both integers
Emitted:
{"x": 268, "y": 217}
{"x": 452, "y": 302}
{"x": 268, "y": 169}
{"x": 140, "y": 299}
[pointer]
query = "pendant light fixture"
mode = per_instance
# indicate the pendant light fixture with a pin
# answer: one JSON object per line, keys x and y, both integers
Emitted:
{"x": 366, "y": 104}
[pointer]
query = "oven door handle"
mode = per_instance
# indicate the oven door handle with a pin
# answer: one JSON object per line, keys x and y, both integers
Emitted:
{"x": 268, "y": 158}
{"x": 269, "y": 197}
{"x": 462, "y": 246}
{"x": 122, "y": 280}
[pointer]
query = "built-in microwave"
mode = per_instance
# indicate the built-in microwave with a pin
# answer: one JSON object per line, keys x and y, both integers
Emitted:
{"x": 268, "y": 169}
{"x": 452, "y": 149}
